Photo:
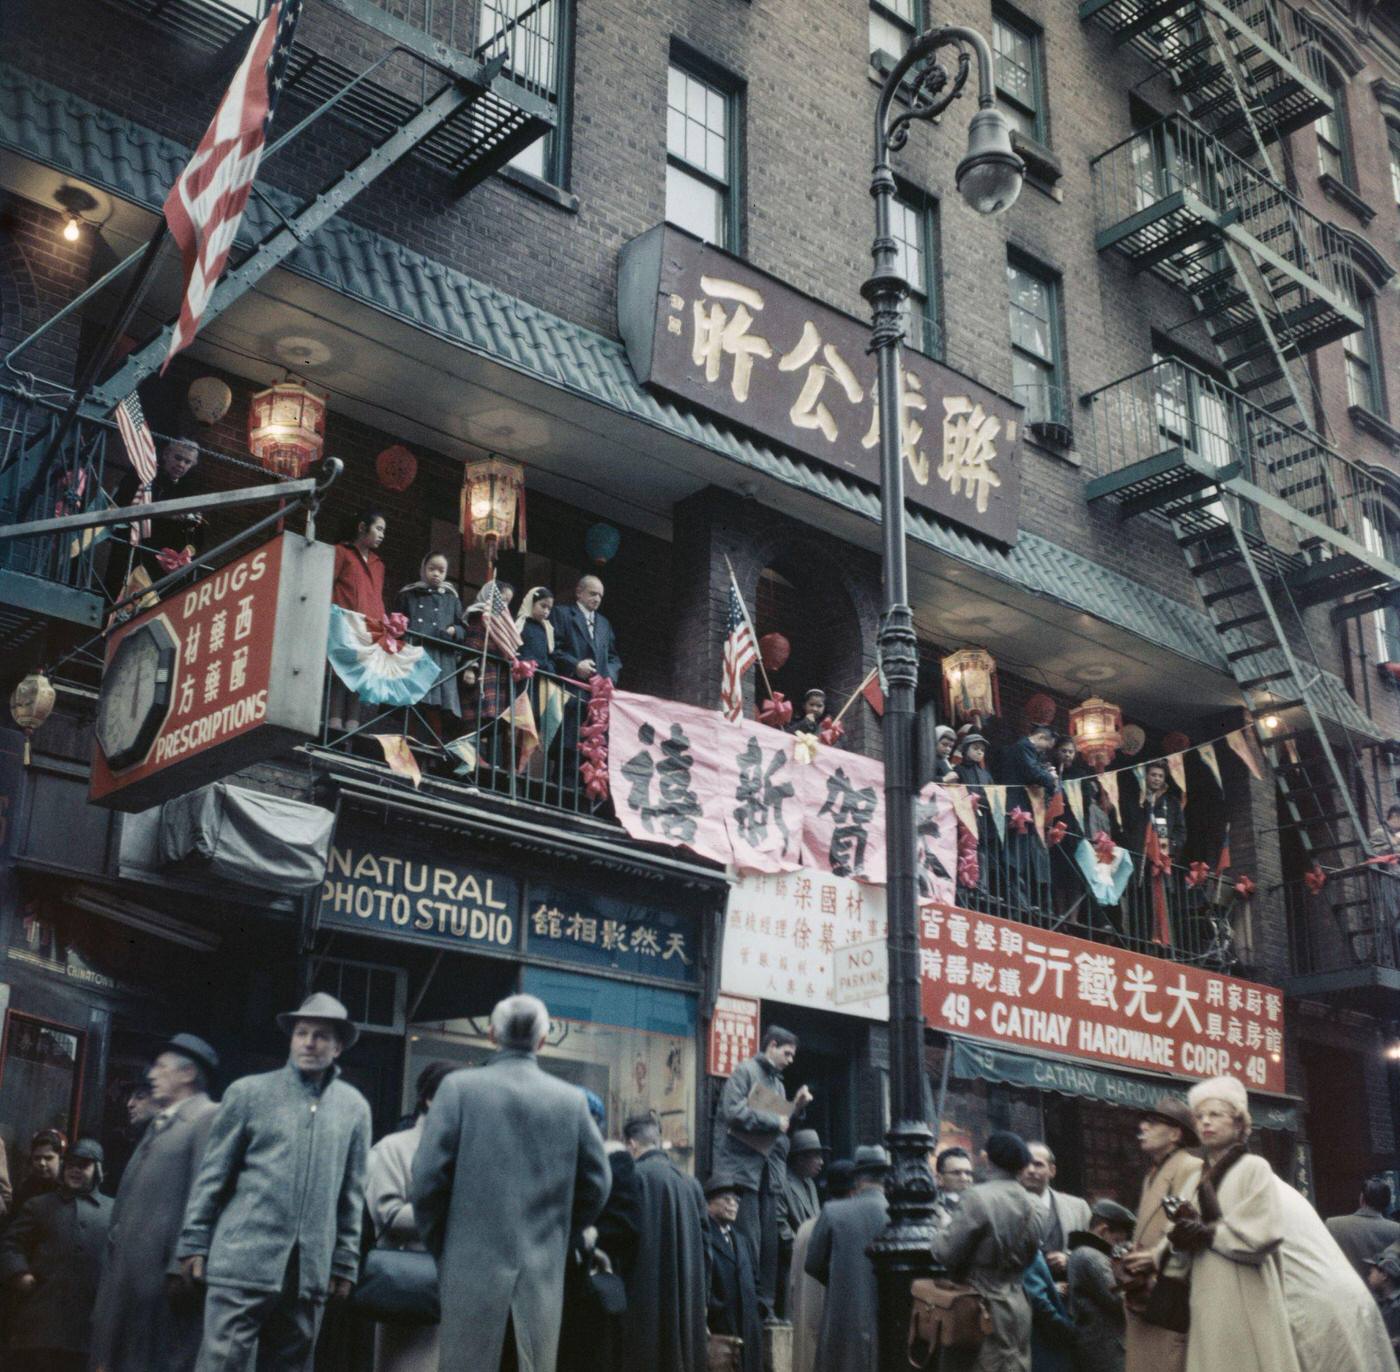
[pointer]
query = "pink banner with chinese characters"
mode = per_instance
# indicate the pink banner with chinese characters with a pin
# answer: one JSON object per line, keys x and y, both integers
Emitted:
{"x": 989, "y": 978}
{"x": 739, "y": 794}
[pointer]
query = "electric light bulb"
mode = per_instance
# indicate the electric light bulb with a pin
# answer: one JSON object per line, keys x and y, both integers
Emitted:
{"x": 70, "y": 229}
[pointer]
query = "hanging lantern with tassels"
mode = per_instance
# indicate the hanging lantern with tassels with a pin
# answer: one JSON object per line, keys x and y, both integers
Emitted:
{"x": 1097, "y": 730}
{"x": 287, "y": 427}
{"x": 31, "y": 704}
{"x": 970, "y": 685}
{"x": 493, "y": 505}
{"x": 1040, "y": 709}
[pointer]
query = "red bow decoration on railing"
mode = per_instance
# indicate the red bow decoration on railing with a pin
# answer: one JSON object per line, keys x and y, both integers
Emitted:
{"x": 1244, "y": 888}
{"x": 522, "y": 669}
{"x": 1314, "y": 879}
{"x": 969, "y": 871}
{"x": 70, "y": 493}
{"x": 171, "y": 561}
{"x": 1105, "y": 850}
{"x": 776, "y": 711}
{"x": 831, "y": 731}
{"x": 593, "y": 739}
{"x": 1020, "y": 819}
{"x": 389, "y": 631}
{"x": 1196, "y": 874}
{"x": 1382, "y": 860}
{"x": 1057, "y": 831}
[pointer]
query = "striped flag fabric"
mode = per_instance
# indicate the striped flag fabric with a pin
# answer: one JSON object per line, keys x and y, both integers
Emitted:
{"x": 140, "y": 447}
{"x": 205, "y": 205}
{"x": 740, "y": 654}
{"x": 501, "y": 632}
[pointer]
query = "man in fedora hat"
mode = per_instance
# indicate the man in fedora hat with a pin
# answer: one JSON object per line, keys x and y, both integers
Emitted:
{"x": 273, "y": 1221}
{"x": 1094, "y": 1301}
{"x": 140, "y": 1324}
{"x": 836, "y": 1257}
{"x": 798, "y": 1202}
{"x": 733, "y": 1304}
{"x": 1165, "y": 1132}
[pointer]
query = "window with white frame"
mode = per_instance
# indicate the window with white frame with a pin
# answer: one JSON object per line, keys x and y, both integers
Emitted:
{"x": 1392, "y": 140}
{"x": 700, "y": 157}
{"x": 1017, "y": 69}
{"x": 531, "y": 34}
{"x": 1333, "y": 141}
{"x": 1362, "y": 352}
{"x": 893, "y": 25}
{"x": 1036, "y": 362}
{"x": 912, "y": 223}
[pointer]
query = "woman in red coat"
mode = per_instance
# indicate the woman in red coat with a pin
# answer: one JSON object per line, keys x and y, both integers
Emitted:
{"x": 359, "y": 586}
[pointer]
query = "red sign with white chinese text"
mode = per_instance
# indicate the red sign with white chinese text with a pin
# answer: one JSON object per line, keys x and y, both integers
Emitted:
{"x": 989, "y": 978}
{"x": 218, "y": 675}
{"x": 733, "y": 1034}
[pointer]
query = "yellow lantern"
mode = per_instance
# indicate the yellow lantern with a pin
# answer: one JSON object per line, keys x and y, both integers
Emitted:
{"x": 31, "y": 704}
{"x": 970, "y": 684}
{"x": 493, "y": 498}
{"x": 287, "y": 427}
{"x": 1097, "y": 730}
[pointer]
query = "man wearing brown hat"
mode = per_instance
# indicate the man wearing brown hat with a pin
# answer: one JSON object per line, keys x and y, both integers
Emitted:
{"x": 1164, "y": 1133}
{"x": 273, "y": 1223}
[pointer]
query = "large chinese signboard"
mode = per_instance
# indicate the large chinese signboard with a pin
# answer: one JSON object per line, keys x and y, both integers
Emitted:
{"x": 377, "y": 884}
{"x": 215, "y": 677}
{"x": 600, "y": 930}
{"x": 1016, "y": 984}
{"x": 807, "y": 938}
{"x": 713, "y": 331}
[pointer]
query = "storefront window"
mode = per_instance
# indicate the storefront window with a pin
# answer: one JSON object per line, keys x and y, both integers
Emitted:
{"x": 40, "y": 1072}
{"x": 632, "y": 1045}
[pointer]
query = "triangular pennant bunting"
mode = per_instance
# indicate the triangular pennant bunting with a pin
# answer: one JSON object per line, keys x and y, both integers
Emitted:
{"x": 1176, "y": 765}
{"x": 1206, "y": 752}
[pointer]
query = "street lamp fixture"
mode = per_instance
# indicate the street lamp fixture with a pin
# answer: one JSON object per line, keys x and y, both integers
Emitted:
{"x": 989, "y": 177}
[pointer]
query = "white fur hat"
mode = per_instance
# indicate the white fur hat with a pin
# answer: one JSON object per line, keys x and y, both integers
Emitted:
{"x": 1229, "y": 1089}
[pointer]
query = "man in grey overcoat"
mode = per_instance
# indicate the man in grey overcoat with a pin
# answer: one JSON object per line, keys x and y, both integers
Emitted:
{"x": 1367, "y": 1233}
{"x": 751, "y": 1145}
{"x": 273, "y": 1223}
{"x": 836, "y": 1257}
{"x": 144, "y": 1320}
{"x": 509, "y": 1167}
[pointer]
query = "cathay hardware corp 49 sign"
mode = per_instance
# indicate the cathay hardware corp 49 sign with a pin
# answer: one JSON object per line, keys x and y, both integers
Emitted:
{"x": 217, "y": 676}
{"x": 715, "y": 332}
{"x": 1011, "y": 983}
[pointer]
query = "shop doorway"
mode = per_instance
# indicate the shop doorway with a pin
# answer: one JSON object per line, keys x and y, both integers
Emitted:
{"x": 830, "y": 1047}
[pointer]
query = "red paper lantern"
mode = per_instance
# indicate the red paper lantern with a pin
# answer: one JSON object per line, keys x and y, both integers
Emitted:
{"x": 396, "y": 468}
{"x": 1175, "y": 742}
{"x": 775, "y": 650}
{"x": 1040, "y": 709}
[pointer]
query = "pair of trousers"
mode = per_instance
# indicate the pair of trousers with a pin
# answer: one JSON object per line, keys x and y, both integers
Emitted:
{"x": 260, "y": 1331}
{"x": 758, "y": 1226}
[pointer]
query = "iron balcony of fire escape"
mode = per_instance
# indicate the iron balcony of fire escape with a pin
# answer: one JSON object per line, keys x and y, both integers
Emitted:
{"x": 1274, "y": 49}
{"x": 508, "y": 73}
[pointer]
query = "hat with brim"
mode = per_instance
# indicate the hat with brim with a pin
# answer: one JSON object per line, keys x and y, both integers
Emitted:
{"x": 1111, "y": 1213}
{"x": 1388, "y": 1262}
{"x": 86, "y": 1150}
{"x": 870, "y": 1160}
{"x": 807, "y": 1141}
{"x": 1170, "y": 1110}
{"x": 193, "y": 1047}
{"x": 324, "y": 1007}
{"x": 968, "y": 739}
{"x": 721, "y": 1184}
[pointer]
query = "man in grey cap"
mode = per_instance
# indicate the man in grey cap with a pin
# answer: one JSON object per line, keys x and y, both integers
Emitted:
{"x": 1094, "y": 1301}
{"x": 1383, "y": 1278}
{"x": 273, "y": 1221}
{"x": 143, "y": 1320}
{"x": 836, "y": 1257}
{"x": 798, "y": 1201}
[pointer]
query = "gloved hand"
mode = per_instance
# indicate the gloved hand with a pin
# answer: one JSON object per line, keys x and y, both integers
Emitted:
{"x": 1192, "y": 1235}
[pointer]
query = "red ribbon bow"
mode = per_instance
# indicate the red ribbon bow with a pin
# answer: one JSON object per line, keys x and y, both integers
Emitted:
{"x": 1244, "y": 888}
{"x": 522, "y": 669}
{"x": 776, "y": 711}
{"x": 831, "y": 731}
{"x": 171, "y": 561}
{"x": 969, "y": 870}
{"x": 1057, "y": 831}
{"x": 1196, "y": 873}
{"x": 1104, "y": 848}
{"x": 389, "y": 631}
{"x": 1314, "y": 879}
{"x": 1021, "y": 820}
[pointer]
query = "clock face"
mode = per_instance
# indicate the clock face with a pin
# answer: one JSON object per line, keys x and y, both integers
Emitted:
{"x": 136, "y": 694}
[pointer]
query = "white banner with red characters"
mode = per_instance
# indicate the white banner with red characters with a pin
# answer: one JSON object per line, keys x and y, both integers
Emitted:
{"x": 760, "y": 800}
{"x": 989, "y": 978}
{"x": 733, "y": 1033}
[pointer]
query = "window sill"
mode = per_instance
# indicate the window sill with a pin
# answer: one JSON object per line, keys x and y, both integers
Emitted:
{"x": 541, "y": 190}
{"x": 1043, "y": 169}
{"x": 1368, "y": 421}
{"x": 1344, "y": 195}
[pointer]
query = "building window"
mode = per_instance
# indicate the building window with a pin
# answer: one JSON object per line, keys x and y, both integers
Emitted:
{"x": 701, "y": 157}
{"x": 893, "y": 26}
{"x": 1037, "y": 366}
{"x": 532, "y": 34}
{"x": 1380, "y": 533}
{"x": 1362, "y": 352}
{"x": 1017, "y": 66}
{"x": 1333, "y": 141}
{"x": 1392, "y": 138}
{"x": 912, "y": 219}
{"x": 373, "y": 992}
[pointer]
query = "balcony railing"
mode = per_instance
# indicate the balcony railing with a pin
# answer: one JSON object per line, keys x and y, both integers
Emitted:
{"x": 1166, "y": 197}
{"x": 1350, "y": 924}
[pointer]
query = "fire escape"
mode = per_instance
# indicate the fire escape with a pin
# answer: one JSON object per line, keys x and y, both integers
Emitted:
{"x": 460, "y": 107}
{"x": 1270, "y": 518}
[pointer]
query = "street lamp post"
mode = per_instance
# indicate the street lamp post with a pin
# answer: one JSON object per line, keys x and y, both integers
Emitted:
{"x": 989, "y": 178}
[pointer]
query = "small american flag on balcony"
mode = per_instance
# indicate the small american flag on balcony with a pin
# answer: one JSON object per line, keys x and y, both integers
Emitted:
{"x": 141, "y": 453}
{"x": 205, "y": 205}
{"x": 740, "y": 654}
{"x": 501, "y": 632}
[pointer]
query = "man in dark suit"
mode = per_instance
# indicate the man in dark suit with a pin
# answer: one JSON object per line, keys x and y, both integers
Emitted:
{"x": 584, "y": 644}
{"x": 1026, "y": 763}
{"x": 733, "y": 1304}
{"x": 1366, "y": 1234}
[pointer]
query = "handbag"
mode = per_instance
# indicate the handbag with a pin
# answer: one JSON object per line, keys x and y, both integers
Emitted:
{"x": 1168, "y": 1304}
{"x": 724, "y": 1353}
{"x": 608, "y": 1292}
{"x": 398, "y": 1286}
{"x": 946, "y": 1314}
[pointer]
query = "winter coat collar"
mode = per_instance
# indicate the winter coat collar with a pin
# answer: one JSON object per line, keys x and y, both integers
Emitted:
{"x": 1082, "y": 1238}
{"x": 431, "y": 590}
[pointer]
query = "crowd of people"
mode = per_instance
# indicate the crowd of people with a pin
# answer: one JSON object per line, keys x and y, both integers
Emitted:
{"x": 498, "y": 1229}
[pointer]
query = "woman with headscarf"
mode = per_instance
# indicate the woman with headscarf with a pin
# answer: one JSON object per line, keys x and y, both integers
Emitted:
{"x": 944, "y": 741}
{"x": 485, "y": 679}
{"x": 1270, "y": 1289}
{"x": 536, "y": 632}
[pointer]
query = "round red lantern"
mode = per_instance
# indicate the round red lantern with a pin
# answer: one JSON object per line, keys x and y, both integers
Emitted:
{"x": 775, "y": 650}
{"x": 1134, "y": 740}
{"x": 396, "y": 468}
{"x": 1175, "y": 742}
{"x": 1040, "y": 709}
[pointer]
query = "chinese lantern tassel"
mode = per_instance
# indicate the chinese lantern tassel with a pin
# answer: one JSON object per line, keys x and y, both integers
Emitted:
{"x": 520, "y": 517}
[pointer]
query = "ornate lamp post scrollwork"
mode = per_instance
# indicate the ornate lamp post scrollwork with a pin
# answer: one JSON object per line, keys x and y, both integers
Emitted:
{"x": 989, "y": 178}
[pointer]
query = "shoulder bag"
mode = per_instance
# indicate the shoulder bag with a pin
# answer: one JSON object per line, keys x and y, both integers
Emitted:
{"x": 946, "y": 1314}
{"x": 398, "y": 1286}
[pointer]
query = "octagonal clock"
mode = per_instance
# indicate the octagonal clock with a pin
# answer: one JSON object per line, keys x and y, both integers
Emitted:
{"x": 136, "y": 694}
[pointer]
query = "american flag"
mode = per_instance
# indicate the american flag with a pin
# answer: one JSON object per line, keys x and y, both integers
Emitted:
{"x": 740, "y": 654}
{"x": 501, "y": 632}
{"x": 141, "y": 452}
{"x": 205, "y": 205}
